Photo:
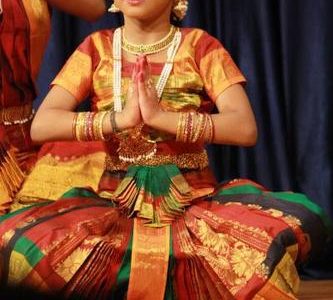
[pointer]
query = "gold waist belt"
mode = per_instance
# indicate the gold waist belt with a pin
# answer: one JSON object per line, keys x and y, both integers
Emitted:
{"x": 16, "y": 114}
{"x": 182, "y": 161}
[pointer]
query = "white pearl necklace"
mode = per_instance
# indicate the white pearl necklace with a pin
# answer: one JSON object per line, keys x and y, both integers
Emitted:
{"x": 171, "y": 53}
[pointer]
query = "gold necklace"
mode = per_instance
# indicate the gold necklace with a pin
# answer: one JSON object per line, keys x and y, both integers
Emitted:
{"x": 149, "y": 48}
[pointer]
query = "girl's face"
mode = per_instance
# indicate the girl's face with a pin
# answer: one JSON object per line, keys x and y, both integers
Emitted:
{"x": 145, "y": 10}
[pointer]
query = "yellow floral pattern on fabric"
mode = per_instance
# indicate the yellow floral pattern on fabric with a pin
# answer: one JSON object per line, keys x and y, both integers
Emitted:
{"x": 234, "y": 261}
{"x": 256, "y": 237}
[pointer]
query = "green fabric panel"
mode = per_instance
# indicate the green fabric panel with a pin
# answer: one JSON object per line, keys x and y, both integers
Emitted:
{"x": 172, "y": 170}
{"x": 243, "y": 189}
{"x": 29, "y": 250}
{"x": 284, "y": 196}
{"x": 155, "y": 180}
{"x": 305, "y": 201}
{"x": 79, "y": 192}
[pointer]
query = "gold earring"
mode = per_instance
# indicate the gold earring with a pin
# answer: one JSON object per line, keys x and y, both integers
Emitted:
{"x": 114, "y": 9}
{"x": 180, "y": 9}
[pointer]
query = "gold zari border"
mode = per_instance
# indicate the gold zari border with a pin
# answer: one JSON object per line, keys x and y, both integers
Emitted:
{"x": 182, "y": 161}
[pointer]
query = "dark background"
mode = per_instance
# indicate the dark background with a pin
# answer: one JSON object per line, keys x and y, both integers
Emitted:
{"x": 285, "y": 50}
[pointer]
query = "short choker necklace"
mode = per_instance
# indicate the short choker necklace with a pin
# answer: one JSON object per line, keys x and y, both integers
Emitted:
{"x": 149, "y": 48}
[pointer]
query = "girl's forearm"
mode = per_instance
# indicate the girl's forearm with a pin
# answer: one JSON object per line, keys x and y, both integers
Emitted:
{"x": 229, "y": 128}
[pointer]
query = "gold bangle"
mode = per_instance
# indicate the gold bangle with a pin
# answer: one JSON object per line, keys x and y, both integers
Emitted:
{"x": 211, "y": 130}
{"x": 113, "y": 121}
{"x": 89, "y": 128}
{"x": 184, "y": 125}
{"x": 74, "y": 127}
{"x": 197, "y": 127}
{"x": 103, "y": 137}
{"x": 180, "y": 125}
{"x": 80, "y": 126}
{"x": 98, "y": 126}
{"x": 95, "y": 127}
{"x": 189, "y": 127}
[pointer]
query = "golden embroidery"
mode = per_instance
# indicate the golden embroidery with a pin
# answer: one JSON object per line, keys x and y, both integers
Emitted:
{"x": 72, "y": 263}
{"x": 57, "y": 246}
{"x": 234, "y": 261}
{"x": 149, "y": 261}
{"x": 51, "y": 178}
{"x": 292, "y": 221}
{"x": 255, "y": 206}
{"x": 182, "y": 161}
{"x": 274, "y": 213}
{"x": 258, "y": 237}
{"x": 217, "y": 242}
{"x": 245, "y": 260}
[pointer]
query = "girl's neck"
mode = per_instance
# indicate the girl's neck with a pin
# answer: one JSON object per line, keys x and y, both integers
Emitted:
{"x": 138, "y": 32}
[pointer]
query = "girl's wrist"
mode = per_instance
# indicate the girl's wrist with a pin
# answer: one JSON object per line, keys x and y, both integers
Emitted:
{"x": 122, "y": 121}
{"x": 155, "y": 119}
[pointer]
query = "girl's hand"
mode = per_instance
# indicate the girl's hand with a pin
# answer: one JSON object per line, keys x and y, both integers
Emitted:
{"x": 148, "y": 99}
{"x": 131, "y": 115}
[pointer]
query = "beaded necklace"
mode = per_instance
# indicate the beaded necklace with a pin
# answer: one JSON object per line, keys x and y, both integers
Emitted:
{"x": 136, "y": 147}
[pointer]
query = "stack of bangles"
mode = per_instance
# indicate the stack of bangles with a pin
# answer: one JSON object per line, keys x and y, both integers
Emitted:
{"x": 192, "y": 127}
{"x": 195, "y": 127}
{"x": 88, "y": 126}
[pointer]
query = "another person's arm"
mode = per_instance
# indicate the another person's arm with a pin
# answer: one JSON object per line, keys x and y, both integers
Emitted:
{"x": 89, "y": 10}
